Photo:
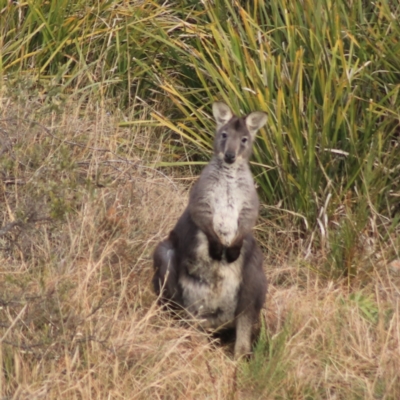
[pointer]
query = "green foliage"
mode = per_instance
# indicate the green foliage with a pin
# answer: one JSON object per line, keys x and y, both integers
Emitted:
{"x": 347, "y": 243}
{"x": 264, "y": 374}
{"x": 108, "y": 47}
{"x": 330, "y": 95}
{"x": 367, "y": 306}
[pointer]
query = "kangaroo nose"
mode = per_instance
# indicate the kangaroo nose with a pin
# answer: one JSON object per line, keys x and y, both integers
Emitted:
{"x": 229, "y": 157}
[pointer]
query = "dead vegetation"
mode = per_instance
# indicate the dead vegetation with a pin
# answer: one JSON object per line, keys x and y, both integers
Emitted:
{"x": 81, "y": 211}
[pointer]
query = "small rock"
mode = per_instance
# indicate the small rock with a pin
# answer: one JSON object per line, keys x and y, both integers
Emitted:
{"x": 394, "y": 267}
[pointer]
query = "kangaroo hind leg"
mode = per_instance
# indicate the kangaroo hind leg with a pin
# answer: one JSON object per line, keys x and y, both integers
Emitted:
{"x": 244, "y": 324}
{"x": 251, "y": 297}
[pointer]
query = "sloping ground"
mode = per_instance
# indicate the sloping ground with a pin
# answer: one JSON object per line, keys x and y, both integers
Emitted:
{"x": 81, "y": 212}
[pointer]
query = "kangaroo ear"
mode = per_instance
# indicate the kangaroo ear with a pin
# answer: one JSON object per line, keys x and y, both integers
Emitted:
{"x": 255, "y": 121}
{"x": 222, "y": 113}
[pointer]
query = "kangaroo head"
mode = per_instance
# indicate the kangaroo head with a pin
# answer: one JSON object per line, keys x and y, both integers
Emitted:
{"x": 235, "y": 135}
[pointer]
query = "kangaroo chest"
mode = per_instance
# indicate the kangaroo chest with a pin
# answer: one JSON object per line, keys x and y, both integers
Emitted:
{"x": 210, "y": 288}
{"x": 227, "y": 199}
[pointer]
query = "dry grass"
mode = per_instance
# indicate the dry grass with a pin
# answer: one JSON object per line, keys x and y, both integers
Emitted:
{"x": 81, "y": 212}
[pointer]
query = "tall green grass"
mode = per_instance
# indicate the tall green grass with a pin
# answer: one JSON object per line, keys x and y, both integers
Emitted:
{"x": 326, "y": 72}
{"x": 331, "y": 95}
{"x": 109, "y": 47}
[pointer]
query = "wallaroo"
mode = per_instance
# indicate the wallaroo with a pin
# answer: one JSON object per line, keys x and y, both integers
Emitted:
{"x": 210, "y": 264}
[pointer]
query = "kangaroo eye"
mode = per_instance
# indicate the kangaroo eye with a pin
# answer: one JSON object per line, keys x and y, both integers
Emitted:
{"x": 224, "y": 135}
{"x": 244, "y": 140}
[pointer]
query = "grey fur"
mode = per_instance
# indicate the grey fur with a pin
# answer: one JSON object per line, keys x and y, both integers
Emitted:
{"x": 210, "y": 264}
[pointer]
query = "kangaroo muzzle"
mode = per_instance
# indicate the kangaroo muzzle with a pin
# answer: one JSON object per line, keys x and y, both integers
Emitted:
{"x": 229, "y": 157}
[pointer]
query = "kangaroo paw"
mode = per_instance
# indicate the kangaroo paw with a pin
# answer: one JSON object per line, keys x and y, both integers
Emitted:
{"x": 215, "y": 249}
{"x": 233, "y": 253}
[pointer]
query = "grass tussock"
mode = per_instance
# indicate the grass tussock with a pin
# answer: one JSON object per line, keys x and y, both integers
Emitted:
{"x": 82, "y": 210}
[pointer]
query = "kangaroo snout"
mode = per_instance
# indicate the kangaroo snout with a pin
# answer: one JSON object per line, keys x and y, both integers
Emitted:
{"x": 229, "y": 157}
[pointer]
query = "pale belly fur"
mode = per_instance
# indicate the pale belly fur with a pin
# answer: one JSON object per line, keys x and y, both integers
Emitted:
{"x": 212, "y": 296}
